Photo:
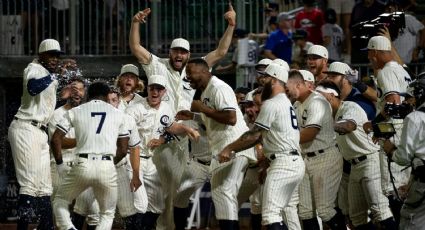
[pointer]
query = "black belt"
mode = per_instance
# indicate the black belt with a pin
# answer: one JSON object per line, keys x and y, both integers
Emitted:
{"x": 294, "y": 153}
{"x": 103, "y": 157}
{"x": 207, "y": 163}
{"x": 145, "y": 157}
{"x": 34, "y": 123}
{"x": 358, "y": 160}
{"x": 313, "y": 154}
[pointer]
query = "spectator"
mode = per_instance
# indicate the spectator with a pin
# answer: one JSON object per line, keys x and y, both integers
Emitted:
{"x": 300, "y": 48}
{"x": 333, "y": 36}
{"x": 279, "y": 42}
{"x": 311, "y": 20}
{"x": 413, "y": 36}
{"x": 241, "y": 93}
{"x": 271, "y": 11}
{"x": 343, "y": 9}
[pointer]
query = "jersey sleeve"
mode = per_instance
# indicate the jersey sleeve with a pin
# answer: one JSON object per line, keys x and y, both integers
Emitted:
{"x": 409, "y": 140}
{"x": 354, "y": 113}
{"x": 388, "y": 83}
{"x": 66, "y": 121}
{"x": 123, "y": 128}
{"x": 154, "y": 66}
{"x": 225, "y": 99}
{"x": 315, "y": 113}
{"x": 266, "y": 116}
{"x": 167, "y": 116}
{"x": 53, "y": 122}
{"x": 133, "y": 132}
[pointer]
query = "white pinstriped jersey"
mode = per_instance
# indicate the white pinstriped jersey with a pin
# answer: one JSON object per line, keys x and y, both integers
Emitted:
{"x": 356, "y": 143}
{"x": 97, "y": 126}
{"x": 200, "y": 149}
{"x": 316, "y": 112}
{"x": 41, "y": 106}
{"x": 393, "y": 78}
{"x": 58, "y": 115}
{"x": 278, "y": 118}
{"x": 150, "y": 122}
{"x": 123, "y": 105}
{"x": 132, "y": 130}
{"x": 179, "y": 93}
{"x": 220, "y": 96}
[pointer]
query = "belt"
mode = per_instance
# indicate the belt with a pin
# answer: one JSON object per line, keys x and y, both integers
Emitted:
{"x": 207, "y": 163}
{"x": 358, "y": 160}
{"x": 103, "y": 157}
{"x": 34, "y": 123}
{"x": 316, "y": 153}
{"x": 145, "y": 157}
{"x": 293, "y": 152}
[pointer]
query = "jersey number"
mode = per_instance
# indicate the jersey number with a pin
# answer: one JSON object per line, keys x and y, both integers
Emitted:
{"x": 102, "y": 119}
{"x": 294, "y": 121}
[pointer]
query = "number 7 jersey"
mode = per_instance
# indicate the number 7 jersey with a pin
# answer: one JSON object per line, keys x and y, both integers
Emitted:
{"x": 97, "y": 126}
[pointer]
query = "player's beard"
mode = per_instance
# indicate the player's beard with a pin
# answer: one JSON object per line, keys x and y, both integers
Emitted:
{"x": 267, "y": 91}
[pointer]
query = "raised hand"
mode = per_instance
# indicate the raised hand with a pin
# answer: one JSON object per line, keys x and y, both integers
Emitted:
{"x": 141, "y": 15}
{"x": 230, "y": 15}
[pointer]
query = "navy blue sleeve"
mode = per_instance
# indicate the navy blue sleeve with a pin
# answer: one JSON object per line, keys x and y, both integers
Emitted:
{"x": 36, "y": 86}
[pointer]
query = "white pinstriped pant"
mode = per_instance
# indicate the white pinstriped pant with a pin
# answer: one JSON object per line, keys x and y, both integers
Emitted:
{"x": 86, "y": 205}
{"x": 365, "y": 192}
{"x": 225, "y": 183}
{"x": 283, "y": 177}
{"x": 319, "y": 187}
{"x": 88, "y": 172}
{"x": 31, "y": 157}
{"x": 194, "y": 176}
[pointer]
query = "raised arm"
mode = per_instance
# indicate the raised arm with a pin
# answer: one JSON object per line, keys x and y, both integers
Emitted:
{"x": 223, "y": 46}
{"x": 141, "y": 53}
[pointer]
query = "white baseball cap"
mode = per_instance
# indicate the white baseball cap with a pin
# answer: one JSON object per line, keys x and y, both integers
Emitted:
{"x": 379, "y": 43}
{"x": 180, "y": 43}
{"x": 282, "y": 63}
{"x": 277, "y": 71}
{"x": 130, "y": 68}
{"x": 319, "y": 51}
{"x": 50, "y": 45}
{"x": 157, "y": 80}
{"x": 338, "y": 68}
{"x": 307, "y": 75}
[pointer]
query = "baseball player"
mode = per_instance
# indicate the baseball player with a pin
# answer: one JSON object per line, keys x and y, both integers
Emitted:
{"x": 410, "y": 152}
{"x": 125, "y": 203}
{"x": 28, "y": 136}
{"x": 129, "y": 84}
{"x": 100, "y": 134}
{"x": 317, "y": 61}
{"x": 260, "y": 67}
{"x": 224, "y": 123}
{"x": 392, "y": 83}
{"x": 276, "y": 126}
{"x": 364, "y": 186}
{"x": 153, "y": 119}
{"x": 179, "y": 93}
{"x": 318, "y": 190}
{"x": 77, "y": 86}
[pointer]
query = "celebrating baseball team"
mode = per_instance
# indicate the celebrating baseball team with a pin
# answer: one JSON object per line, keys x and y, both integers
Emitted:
{"x": 309, "y": 149}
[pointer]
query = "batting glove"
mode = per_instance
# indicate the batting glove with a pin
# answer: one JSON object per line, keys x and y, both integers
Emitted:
{"x": 63, "y": 169}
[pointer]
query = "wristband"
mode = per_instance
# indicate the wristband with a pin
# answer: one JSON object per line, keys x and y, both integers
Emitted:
{"x": 59, "y": 162}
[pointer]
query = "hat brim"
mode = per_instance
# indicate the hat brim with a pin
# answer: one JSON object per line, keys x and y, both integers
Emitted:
{"x": 179, "y": 47}
{"x": 328, "y": 72}
{"x": 53, "y": 52}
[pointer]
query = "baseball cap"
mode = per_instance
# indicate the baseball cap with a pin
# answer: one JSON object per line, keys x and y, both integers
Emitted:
{"x": 180, "y": 43}
{"x": 129, "y": 68}
{"x": 49, "y": 46}
{"x": 307, "y": 75}
{"x": 338, "y": 68}
{"x": 157, "y": 80}
{"x": 318, "y": 50}
{"x": 284, "y": 16}
{"x": 282, "y": 63}
{"x": 277, "y": 71}
{"x": 263, "y": 63}
{"x": 379, "y": 43}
